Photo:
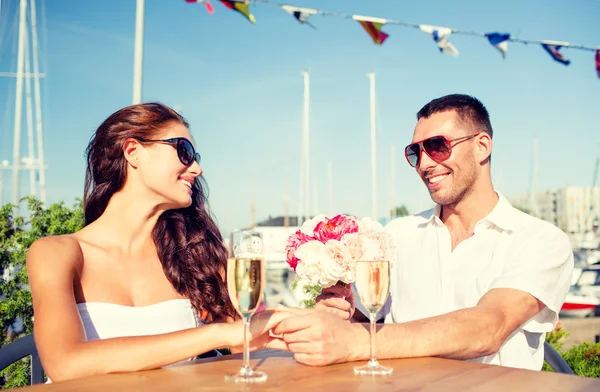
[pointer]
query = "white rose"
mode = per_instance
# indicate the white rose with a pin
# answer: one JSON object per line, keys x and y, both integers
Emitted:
{"x": 308, "y": 227}
{"x": 374, "y": 249}
{"x": 338, "y": 263}
{"x": 368, "y": 225}
{"x": 309, "y": 266}
{"x": 354, "y": 243}
{"x": 391, "y": 250}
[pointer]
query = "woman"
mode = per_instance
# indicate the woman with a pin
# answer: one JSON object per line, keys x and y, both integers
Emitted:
{"x": 141, "y": 286}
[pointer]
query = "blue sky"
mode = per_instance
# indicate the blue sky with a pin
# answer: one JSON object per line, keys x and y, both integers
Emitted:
{"x": 240, "y": 86}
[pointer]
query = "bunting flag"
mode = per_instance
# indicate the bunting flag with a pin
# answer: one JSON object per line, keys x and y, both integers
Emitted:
{"x": 240, "y": 6}
{"x": 373, "y": 27}
{"x": 440, "y": 35}
{"x": 499, "y": 41}
{"x": 553, "y": 48}
{"x": 207, "y": 4}
{"x": 301, "y": 14}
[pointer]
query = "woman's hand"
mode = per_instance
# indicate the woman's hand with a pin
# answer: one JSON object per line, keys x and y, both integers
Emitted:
{"x": 260, "y": 326}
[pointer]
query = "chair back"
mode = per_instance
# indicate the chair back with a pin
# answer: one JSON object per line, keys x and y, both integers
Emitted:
{"x": 19, "y": 349}
{"x": 555, "y": 360}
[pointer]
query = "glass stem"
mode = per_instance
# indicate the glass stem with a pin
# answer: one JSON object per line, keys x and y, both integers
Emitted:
{"x": 372, "y": 334}
{"x": 246, "y": 362}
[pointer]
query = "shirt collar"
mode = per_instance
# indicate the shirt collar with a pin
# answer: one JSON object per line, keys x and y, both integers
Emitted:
{"x": 501, "y": 216}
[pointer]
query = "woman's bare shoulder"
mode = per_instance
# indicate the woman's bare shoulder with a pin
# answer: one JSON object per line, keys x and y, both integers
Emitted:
{"x": 54, "y": 251}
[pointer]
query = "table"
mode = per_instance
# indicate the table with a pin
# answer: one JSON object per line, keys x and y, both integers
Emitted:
{"x": 285, "y": 374}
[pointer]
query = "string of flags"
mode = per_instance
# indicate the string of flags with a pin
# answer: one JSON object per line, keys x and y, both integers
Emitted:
{"x": 441, "y": 35}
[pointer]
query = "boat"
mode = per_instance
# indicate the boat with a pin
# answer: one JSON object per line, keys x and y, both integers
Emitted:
{"x": 579, "y": 305}
{"x": 583, "y": 299}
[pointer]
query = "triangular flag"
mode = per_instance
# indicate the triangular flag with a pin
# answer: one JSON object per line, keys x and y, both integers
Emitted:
{"x": 240, "y": 6}
{"x": 499, "y": 41}
{"x": 440, "y": 35}
{"x": 207, "y": 4}
{"x": 598, "y": 62}
{"x": 373, "y": 27}
{"x": 553, "y": 48}
{"x": 301, "y": 14}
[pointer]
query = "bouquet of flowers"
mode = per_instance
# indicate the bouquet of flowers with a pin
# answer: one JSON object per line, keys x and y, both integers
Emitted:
{"x": 325, "y": 250}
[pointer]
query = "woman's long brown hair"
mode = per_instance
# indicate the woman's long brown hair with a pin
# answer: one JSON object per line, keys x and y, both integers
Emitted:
{"x": 188, "y": 242}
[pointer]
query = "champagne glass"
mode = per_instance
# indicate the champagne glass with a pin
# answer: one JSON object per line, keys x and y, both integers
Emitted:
{"x": 245, "y": 282}
{"x": 372, "y": 286}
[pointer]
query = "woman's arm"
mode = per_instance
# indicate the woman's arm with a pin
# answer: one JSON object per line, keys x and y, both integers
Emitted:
{"x": 52, "y": 265}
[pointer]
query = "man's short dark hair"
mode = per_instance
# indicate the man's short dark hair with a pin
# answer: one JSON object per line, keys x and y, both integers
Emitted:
{"x": 469, "y": 109}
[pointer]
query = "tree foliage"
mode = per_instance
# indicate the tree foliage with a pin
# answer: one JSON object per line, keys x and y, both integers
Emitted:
{"x": 399, "y": 211}
{"x": 17, "y": 233}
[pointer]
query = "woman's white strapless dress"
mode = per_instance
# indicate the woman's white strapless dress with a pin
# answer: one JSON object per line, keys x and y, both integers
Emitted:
{"x": 103, "y": 320}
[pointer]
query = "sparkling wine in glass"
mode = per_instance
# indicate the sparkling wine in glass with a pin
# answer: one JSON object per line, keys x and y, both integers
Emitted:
{"x": 245, "y": 282}
{"x": 372, "y": 286}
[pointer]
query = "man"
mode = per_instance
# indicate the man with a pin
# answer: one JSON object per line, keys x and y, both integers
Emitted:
{"x": 474, "y": 278}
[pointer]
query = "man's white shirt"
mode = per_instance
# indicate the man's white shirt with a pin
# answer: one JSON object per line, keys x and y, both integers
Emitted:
{"x": 509, "y": 249}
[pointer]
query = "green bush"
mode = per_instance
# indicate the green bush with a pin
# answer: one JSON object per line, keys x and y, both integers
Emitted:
{"x": 583, "y": 359}
{"x": 17, "y": 233}
{"x": 313, "y": 291}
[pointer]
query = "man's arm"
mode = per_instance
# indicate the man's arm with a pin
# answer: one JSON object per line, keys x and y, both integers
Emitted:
{"x": 462, "y": 334}
{"x": 320, "y": 338}
{"x": 528, "y": 294}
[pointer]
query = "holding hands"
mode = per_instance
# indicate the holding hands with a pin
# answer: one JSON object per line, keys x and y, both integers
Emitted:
{"x": 337, "y": 300}
{"x": 319, "y": 338}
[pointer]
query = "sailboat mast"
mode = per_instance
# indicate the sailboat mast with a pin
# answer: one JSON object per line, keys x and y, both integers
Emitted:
{"x": 306, "y": 130}
{"x": 393, "y": 182}
{"x": 30, "y": 161}
{"x": 138, "y": 52}
{"x": 38, "y": 109}
{"x": 371, "y": 77}
{"x": 19, "y": 102}
{"x": 533, "y": 206}
{"x": 286, "y": 199}
{"x": 330, "y": 188}
{"x": 252, "y": 204}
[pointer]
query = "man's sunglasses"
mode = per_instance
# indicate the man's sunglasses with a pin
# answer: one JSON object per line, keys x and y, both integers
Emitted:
{"x": 185, "y": 149}
{"x": 437, "y": 148}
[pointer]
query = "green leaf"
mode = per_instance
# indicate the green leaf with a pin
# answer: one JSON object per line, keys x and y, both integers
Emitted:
{"x": 17, "y": 233}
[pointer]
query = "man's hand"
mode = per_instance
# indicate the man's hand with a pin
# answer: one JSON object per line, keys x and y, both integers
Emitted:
{"x": 337, "y": 300}
{"x": 320, "y": 338}
{"x": 260, "y": 326}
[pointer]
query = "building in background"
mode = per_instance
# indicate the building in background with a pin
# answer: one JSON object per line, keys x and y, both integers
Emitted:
{"x": 573, "y": 209}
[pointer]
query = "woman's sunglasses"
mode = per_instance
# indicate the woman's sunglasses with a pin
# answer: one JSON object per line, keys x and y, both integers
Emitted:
{"x": 437, "y": 148}
{"x": 185, "y": 149}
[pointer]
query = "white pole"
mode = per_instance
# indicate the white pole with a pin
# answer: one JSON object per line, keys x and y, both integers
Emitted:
{"x": 286, "y": 199}
{"x": 38, "y": 107}
{"x": 301, "y": 186}
{"x": 315, "y": 201}
{"x": 29, "y": 112}
{"x": 138, "y": 52}
{"x": 19, "y": 102}
{"x": 532, "y": 197}
{"x": 330, "y": 188}
{"x": 393, "y": 181}
{"x": 306, "y": 144}
{"x": 371, "y": 77}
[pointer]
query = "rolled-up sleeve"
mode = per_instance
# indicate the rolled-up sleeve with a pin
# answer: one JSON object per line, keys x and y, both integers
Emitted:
{"x": 541, "y": 265}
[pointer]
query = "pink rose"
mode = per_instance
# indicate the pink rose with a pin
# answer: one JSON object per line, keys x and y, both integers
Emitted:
{"x": 293, "y": 242}
{"x": 335, "y": 228}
